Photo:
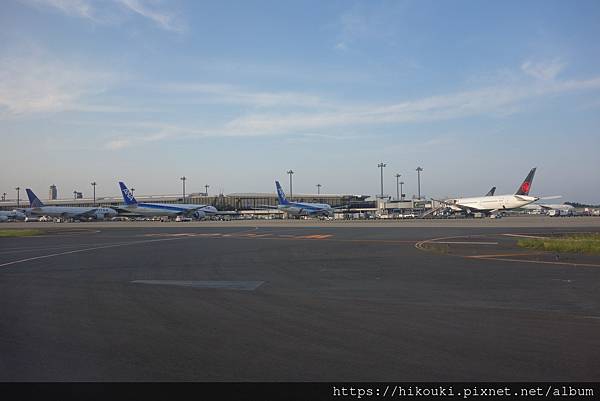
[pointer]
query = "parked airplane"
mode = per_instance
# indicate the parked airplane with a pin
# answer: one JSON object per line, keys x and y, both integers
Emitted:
{"x": 495, "y": 203}
{"x": 444, "y": 206}
{"x": 134, "y": 208}
{"x": 36, "y": 207}
{"x": 11, "y": 215}
{"x": 491, "y": 192}
{"x": 301, "y": 208}
{"x": 563, "y": 208}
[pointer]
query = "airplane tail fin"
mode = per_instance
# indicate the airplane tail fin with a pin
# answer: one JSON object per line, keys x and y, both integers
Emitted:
{"x": 127, "y": 195}
{"x": 33, "y": 200}
{"x": 281, "y": 194}
{"x": 491, "y": 192}
{"x": 526, "y": 185}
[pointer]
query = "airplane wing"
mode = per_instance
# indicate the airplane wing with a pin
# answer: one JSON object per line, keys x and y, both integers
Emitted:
{"x": 225, "y": 213}
{"x": 264, "y": 207}
{"x": 87, "y": 213}
{"x": 126, "y": 212}
{"x": 455, "y": 205}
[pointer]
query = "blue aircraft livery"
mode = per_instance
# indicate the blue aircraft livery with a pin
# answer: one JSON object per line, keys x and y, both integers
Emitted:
{"x": 134, "y": 208}
{"x": 301, "y": 208}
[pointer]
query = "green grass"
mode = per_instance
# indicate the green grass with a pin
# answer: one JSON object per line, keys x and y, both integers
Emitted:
{"x": 19, "y": 233}
{"x": 571, "y": 243}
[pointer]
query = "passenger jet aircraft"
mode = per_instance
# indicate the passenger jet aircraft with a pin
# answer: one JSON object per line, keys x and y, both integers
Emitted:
{"x": 133, "y": 207}
{"x": 11, "y": 215}
{"x": 493, "y": 204}
{"x": 36, "y": 207}
{"x": 301, "y": 208}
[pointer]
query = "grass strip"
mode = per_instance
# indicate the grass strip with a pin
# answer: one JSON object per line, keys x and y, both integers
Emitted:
{"x": 570, "y": 243}
{"x": 19, "y": 233}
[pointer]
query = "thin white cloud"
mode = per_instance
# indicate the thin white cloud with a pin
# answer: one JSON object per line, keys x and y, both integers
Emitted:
{"x": 74, "y": 8}
{"x": 161, "y": 17}
{"x": 545, "y": 71}
{"x": 494, "y": 101}
{"x": 108, "y": 12}
{"x": 230, "y": 94}
{"x": 39, "y": 84}
{"x": 117, "y": 144}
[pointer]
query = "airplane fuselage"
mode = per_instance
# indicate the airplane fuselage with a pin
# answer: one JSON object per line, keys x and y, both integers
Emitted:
{"x": 72, "y": 211}
{"x": 491, "y": 203}
{"x": 11, "y": 215}
{"x": 306, "y": 209}
{"x": 169, "y": 210}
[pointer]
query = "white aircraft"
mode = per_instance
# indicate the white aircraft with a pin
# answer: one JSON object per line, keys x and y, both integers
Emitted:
{"x": 11, "y": 215}
{"x": 491, "y": 192}
{"x": 493, "y": 204}
{"x": 563, "y": 208}
{"x": 301, "y": 208}
{"x": 134, "y": 208}
{"x": 36, "y": 207}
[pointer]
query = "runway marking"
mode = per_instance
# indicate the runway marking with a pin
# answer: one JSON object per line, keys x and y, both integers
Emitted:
{"x": 503, "y": 255}
{"x": 69, "y": 233}
{"x": 212, "y": 284}
{"x": 14, "y": 262}
{"x": 39, "y": 249}
{"x": 524, "y": 236}
{"x": 419, "y": 245}
{"x": 315, "y": 236}
{"x": 465, "y": 242}
{"x": 546, "y": 262}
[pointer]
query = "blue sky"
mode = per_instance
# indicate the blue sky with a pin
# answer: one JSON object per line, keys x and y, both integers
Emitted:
{"x": 234, "y": 94}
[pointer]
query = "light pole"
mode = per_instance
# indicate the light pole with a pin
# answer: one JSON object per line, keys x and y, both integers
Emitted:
{"x": 18, "y": 198}
{"x": 319, "y": 189}
{"x": 206, "y": 189}
{"x": 401, "y": 192}
{"x": 183, "y": 181}
{"x": 397, "y": 183}
{"x": 419, "y": 169}
{"x": 93, "y": 184}
{"x": 132, "y": 191}
{"x": 381, "y": 166}
{"x": 74, "y": 194}
{"x": 3, "y": 196}
{"x": 291, "y": 172}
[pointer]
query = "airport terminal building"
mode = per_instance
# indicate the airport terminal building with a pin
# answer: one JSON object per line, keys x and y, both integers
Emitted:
{"x": 230, "y": 202}
{"x": 251, "y": 204}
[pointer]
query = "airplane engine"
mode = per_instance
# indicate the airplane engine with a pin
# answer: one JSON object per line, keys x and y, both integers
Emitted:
{"x": 199, "y": 215}
{"x": 99, "y": 215}
{"x": 3, "y": 218}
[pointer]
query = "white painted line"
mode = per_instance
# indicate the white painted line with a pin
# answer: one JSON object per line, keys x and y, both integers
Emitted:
{"x": 465, "y": 242}
{"x": 524, "y": 236}
{"x": 544, "y": 262}
{"x": 14, "y": 262}
{"x": 211, "y": 284}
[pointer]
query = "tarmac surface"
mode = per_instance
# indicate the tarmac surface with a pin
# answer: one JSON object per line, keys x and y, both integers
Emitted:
{"x": 296, "y": 301}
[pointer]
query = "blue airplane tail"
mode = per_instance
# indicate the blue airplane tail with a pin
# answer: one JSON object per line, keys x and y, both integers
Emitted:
{"x": 281, "y": 194}
{"x": 127, "y": 195}
{"x": 33, "y": 200}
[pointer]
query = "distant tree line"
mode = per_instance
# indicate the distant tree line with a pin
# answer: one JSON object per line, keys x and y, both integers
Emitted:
{"x": 580, "y": 205}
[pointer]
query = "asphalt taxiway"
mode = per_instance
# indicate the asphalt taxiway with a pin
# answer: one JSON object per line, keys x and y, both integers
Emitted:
{"x": 296, "y": 301}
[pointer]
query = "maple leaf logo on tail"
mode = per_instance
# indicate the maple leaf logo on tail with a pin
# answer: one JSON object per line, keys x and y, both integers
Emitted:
{"x": 526, "y": 185}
